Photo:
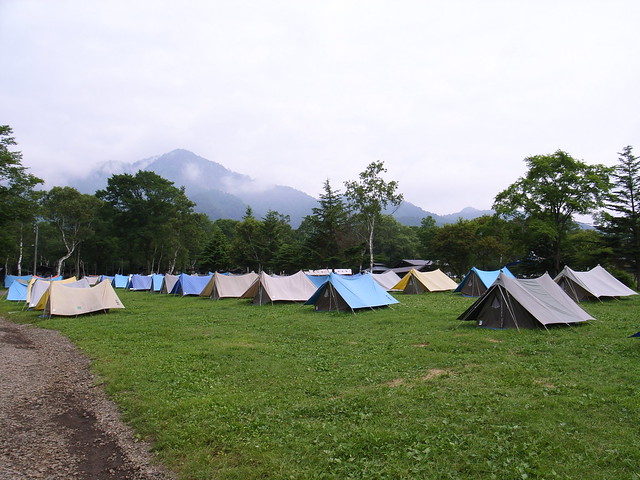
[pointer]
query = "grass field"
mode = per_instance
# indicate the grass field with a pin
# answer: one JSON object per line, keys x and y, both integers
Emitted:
{"x": 229, "y": 390}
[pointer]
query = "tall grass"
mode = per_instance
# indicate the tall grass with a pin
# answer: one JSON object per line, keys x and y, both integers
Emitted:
{"x": 229, "y": 390}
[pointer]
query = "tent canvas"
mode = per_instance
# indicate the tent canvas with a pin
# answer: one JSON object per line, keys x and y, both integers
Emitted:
{"x": 18, "y": 290}
{"x": 350, "y": 293}
{"x": 139, "y": 283}
{"x": 120, "y": 281}
{"x": 477, "y": 281}
{"x": 168, "y": 282}
{"x": 9, "y": 279}
{"x": 513, "y": 303}
{"x": 317, "y": 280}
{"x": 156, "y": 282}
{"x": 93, "y": 279}
{"x": 228, "y": 286}
{"x": 595, "y": 283}
{"x": 269, "y": 289}
{"x": 67, "y": 301}
{"x": 387, "y": 280}
{"x": 420, "y": 282}
{"x": 190, "y": 284}
{"x": 39, "y": 291}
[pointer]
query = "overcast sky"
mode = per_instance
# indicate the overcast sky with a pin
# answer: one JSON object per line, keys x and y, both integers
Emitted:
{"x": 450, "y": 95}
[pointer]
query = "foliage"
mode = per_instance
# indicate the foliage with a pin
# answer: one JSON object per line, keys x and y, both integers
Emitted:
{"x": 555, "y": 188}
{"x": 369, "y": 196}
{"x": 229, "y": 390}
{"x": 623, "y": 230}
{"x": 426, "y": 232}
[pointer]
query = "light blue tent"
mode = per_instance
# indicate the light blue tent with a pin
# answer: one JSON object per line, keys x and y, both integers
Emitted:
{"x": 341, "y": 292}
{"x": 120, "y": 281}
{"x": 318, "y": 280}
{"x": 9, "y": 279}
{"x": 156, "y": 282}
{"x": 476, "y": 282}
{"x": 18, "y": 290}
{"x": 190, "y": 284}
{"x": 140, "y": 282}
{"x": 107, "y": 277}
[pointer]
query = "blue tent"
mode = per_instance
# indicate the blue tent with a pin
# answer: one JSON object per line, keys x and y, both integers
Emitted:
{"x": 140, "y": 282}
{"x": 156, "y": 282}
{"x": 190, "y": 284}
{"x": 636, "y": 334}
{"x": 318, "y": 280}
{"x": 18, "y": 290}
{"x": 120, "y": 281}
{"x": 9, "y": 279}
{"x": 476, "y": 282}
{"x": 107, "y": 277}
{"x": 341, "y": 292}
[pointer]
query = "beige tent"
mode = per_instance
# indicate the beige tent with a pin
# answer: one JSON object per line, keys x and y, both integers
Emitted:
{"x": 40, "y": 290}
{"x": 228, "y": 286}
{"x": 387, "y": 280}
{"x": 420, "y": 282}
{"x": 595, "y": 283}
{"x": 66, "y": 301}
{"x": 168, "y": 282}
{"x": 292, "y": 288}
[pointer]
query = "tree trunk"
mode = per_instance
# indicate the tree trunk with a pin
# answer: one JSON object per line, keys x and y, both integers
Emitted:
{"x": 20, "y": 254}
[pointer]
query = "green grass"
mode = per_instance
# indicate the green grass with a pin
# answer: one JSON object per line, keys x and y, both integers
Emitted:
{"x": 229, "y": 390}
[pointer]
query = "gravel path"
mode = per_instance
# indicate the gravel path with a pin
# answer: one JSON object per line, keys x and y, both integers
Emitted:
{"x": 54, "y": 422}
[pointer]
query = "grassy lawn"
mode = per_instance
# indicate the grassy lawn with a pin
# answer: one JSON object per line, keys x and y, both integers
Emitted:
{"x": 229, "y": 390}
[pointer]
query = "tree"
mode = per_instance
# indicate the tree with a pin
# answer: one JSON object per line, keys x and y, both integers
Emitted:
{"x": 623, "y": 229}
{"x": 425, "y": 232}
{"x": 73, "y": 214}
{"x": 369, "y": 196}
{"x": 555, "y": 188}
{"x": 18, "y": 199}
{"x": 246, "y": 247}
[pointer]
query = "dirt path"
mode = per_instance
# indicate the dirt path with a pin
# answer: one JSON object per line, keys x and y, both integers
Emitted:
{"x": 54, "y": 422}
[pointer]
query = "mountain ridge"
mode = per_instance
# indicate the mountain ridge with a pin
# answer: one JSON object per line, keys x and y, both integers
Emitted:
{"x": 222, "y": 193}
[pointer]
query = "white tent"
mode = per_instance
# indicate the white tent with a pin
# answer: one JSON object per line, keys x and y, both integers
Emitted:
{"x": 387, "y": 280}
{"x": 66, "y": 301}
{"x": 40, "y": 290}
{"x": 292, "y": 288}
{"x": 228, "y": 286}
{"x": 595, "y": 283}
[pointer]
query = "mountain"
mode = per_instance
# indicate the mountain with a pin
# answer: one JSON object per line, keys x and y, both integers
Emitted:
{"x": 222, "y": 193}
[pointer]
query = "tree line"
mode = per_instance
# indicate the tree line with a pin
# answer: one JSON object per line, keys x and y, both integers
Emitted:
{"x": 143, "y": 223}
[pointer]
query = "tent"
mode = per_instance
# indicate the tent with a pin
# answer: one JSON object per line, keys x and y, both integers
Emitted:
{"x": 292, "y": 288}
{"x": 190, "y": 284}
{"x": 156, "y": 282}
{"x": 111, "y": 278}
{"x": 596, "y": 283}
{"x": 513, "y": 303}
{"x": 139, "y": 282}
{"x": 18, "y": 290}
{"x": 120, "y": 281}
{"x": 387, "y": 280}
{"x": 168, "y": 282}
{"x": 350, "y": 293}
{"x": 420, "y": 282}
{"x": 66, "y": 301}
{"x": 41, "y": 302}
{"x": 38, "y": 295}
{"x": 317, "y": 280}
{"x": 93, "y": 279}
{"x": 476, "y": 282}
{"x": 228, "y": 286}
{"x": 33, "y": 281}
{"x": 9, "y": 279}
{"x": 635, "y": 335}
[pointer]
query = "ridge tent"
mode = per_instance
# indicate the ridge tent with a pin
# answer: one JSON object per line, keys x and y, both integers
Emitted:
{"x": 139, "y": 283}
{"x": 292, "y": 288}
{"x": 530, "y": 303}
{"x": 477, "y": 281}
{"x": 69, "y": 283}
{"x": 190, "y": 284}
{"x": 387, "y": 280}
{"x": 317, "y": 280}
{"x": 228, "y": 286}
{"x": 168, "y": 282}
{"x": 68, "y": 301}
{"x": 39, "y": 289}
{"x": 156, "y": 282}
{"x": 420, "y": 282}
{"x": 33, "y": 281}
{"x": 350, "y": 293}
{"x": 93, "y": 279}
{"x": 107, "y": 277}
{"x": 595, "y": 283}
{"x": 18, "y": 290}
{"x": 120, "y": 281}
{"x": 9, "y": 279}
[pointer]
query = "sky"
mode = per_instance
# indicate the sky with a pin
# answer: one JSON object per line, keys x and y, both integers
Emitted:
{"x": 451, "y": 95}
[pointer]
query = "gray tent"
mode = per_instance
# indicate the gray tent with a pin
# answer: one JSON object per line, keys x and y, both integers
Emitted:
{"x": 513, "y": 303}
{"x": 590, "y": 285}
